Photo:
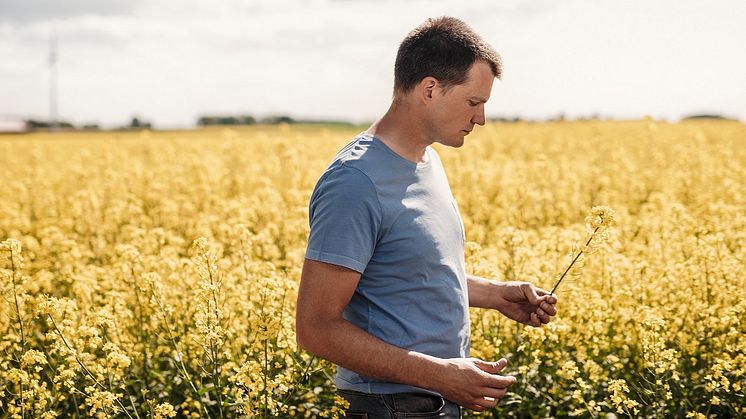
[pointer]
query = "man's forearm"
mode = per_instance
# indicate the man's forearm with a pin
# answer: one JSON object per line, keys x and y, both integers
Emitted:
{"x": 346, "y": 345}
{"x": 482, "y": 292}
{"x": 517, "y": 300}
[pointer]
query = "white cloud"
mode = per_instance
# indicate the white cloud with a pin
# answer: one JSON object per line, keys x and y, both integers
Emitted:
{"x": 171, "y": 60}
{"x": 24, "y": 11}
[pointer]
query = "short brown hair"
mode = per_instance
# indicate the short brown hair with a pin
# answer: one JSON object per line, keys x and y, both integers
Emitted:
{"x": 444, "y": 48}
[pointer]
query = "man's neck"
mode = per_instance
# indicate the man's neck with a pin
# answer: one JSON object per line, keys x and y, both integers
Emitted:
{"x": 403, "y": 132}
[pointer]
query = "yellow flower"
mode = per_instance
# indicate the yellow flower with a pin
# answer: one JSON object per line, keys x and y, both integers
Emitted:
{"x": 569, "y": 370}
{"x": 164, "y": 411}
{"x": 600, "y": 217}
{"x": 33, "y": 357}
{"x": 619, "y": 391}
{"x": 100, "y": 401}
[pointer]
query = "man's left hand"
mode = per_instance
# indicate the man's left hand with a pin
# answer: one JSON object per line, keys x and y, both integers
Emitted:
{"x": 525, "y": 303}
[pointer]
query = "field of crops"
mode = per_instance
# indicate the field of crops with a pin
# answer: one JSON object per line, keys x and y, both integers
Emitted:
{"x": 154, "y": 274}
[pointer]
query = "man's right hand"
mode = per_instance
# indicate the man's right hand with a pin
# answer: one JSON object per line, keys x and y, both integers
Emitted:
{"x": 472, "y": 383}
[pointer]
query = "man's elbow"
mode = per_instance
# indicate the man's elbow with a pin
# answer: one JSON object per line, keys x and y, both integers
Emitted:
{"x": 306, "y": 336}
{"x": 315, "y": 336}
{"x": 301, "y": 336}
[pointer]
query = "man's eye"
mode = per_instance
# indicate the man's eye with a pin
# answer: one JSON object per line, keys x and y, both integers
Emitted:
{"x": 472, "y": 103}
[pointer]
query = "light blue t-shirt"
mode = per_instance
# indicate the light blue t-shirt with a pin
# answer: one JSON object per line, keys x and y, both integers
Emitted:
{"x": 397, "y": 223}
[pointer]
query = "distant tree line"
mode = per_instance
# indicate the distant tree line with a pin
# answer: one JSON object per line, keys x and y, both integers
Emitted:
{"x": 707, "y": 116}
{"x": 226, "y": 120}
{"x": 135, "y": 123}
{"x": 250, "y": 120}
{"x": 244, "y": 120}
{"x": 36, "y": 124}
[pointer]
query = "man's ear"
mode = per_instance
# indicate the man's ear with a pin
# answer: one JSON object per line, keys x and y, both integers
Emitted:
{"x": 427, "y": 88}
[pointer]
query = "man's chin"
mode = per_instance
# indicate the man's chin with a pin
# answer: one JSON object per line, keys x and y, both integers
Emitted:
{"x": 452, "y": 142}
{"x": 458, "y": 142}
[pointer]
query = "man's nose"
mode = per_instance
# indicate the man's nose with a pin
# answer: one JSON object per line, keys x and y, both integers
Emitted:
{"x": 479, "y": 117}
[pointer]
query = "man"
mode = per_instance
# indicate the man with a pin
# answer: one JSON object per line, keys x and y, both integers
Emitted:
{"x": 384, "y": 293}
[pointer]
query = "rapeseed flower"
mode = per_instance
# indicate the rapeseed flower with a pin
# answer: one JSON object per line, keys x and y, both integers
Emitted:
{"x": 100, "y": 230}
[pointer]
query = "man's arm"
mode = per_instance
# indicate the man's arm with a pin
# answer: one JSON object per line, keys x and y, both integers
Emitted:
{"x": 325, "y": 290}
{"x": 519, "y": 301}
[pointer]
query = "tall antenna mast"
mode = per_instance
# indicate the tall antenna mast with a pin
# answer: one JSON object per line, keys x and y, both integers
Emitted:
{"x": 53, "y": 83}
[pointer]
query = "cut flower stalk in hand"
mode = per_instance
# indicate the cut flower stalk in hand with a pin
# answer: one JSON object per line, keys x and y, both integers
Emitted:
{"x": 600, "y": 218}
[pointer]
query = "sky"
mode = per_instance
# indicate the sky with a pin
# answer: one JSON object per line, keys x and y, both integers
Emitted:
{"x": 171, "y": 61}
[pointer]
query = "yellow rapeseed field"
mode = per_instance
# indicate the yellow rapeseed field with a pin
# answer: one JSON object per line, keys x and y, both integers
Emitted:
{"x": 154, "y": 274}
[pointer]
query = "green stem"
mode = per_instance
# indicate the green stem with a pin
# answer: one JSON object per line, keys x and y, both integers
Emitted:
{"x": 266, "y": 371}
{"x": 265, "y": 367}
{"x": 213, "y": 346}
{"x": 574, "y": 260}
{"x": 92, "y": 377}
{"x": 133, "y": 407}
{"x": 587, "y": 408}
{"x": 177, "y": 349}
{"x": 20, "y": 327}
{"x": 140, "y": 323}
{"x": 75, "y": 402}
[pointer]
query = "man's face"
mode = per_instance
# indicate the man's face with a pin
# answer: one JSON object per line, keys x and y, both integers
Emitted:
{"x": 455, "y": 111}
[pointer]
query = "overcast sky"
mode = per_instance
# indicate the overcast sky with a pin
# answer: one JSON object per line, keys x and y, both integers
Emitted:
{"x": 170, "y": 61}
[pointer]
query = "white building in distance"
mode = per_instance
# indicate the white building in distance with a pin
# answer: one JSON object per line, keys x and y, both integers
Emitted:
{"x": 12, "y": 124}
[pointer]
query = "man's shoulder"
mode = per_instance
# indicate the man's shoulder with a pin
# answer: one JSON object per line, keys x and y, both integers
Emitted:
{"x": 363, "y": 155}
{"x": 350, "y": 170}
{"x": 345, "y": 174}
{"x": 361, "y": 149}
{"x": 345, "y": 185}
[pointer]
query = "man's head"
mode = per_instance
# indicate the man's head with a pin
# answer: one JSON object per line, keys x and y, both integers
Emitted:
{"x": 444, "y": 48}
{"x": 444, "y": 72}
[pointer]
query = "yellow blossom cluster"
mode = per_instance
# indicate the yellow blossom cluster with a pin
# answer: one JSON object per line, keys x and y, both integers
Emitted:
{"x": 619, "y": 391}
{"x": 154, "y": 274}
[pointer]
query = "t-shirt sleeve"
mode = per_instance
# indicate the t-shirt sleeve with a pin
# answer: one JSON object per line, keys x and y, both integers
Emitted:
{"x": 345, "y": 217}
